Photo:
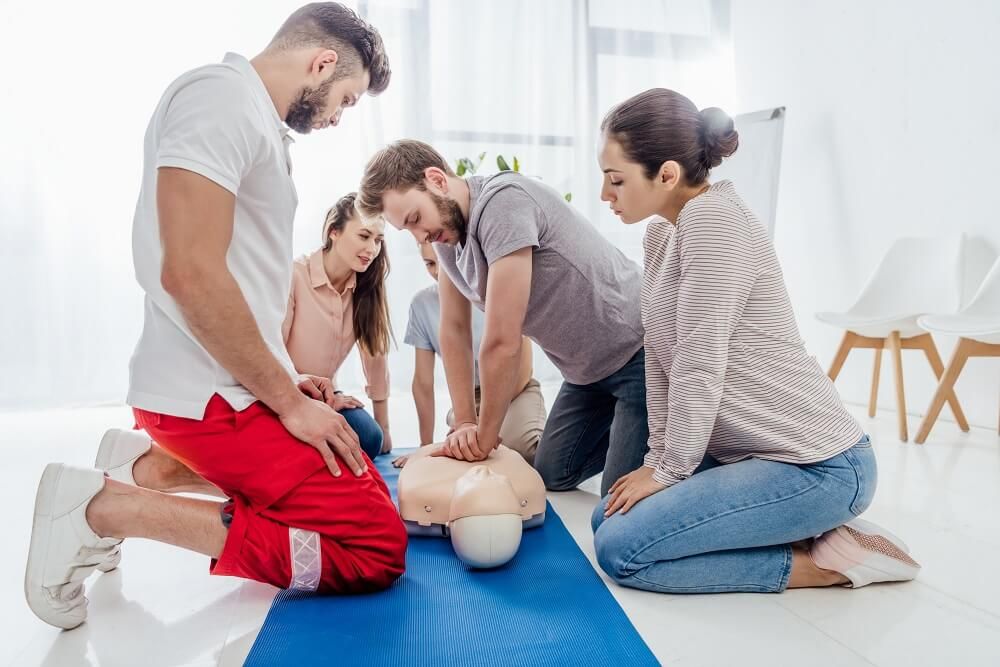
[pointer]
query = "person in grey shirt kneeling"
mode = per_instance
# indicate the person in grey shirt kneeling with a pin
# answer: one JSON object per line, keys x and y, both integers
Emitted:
{"x": 512, "y": 247}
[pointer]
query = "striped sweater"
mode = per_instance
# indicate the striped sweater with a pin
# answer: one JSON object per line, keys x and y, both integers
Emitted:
{"x": 726, "y": 371}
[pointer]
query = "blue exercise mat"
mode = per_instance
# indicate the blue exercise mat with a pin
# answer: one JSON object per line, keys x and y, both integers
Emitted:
{"x": 546, "y": 607}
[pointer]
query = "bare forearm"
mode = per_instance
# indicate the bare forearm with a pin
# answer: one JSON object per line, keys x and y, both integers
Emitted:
{"x": 458, "y": 369}
{"x": 219, "y": 317}
{"x": 499, "y": 373}
{"x": 423, "y": 398}
{"x": 380, "y": 409}
{"x": 526, "y": 367}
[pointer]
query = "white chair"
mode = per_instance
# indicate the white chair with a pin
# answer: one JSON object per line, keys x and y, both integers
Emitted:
{"x": 917, "y": 276}
{"x": 978, "y": 329}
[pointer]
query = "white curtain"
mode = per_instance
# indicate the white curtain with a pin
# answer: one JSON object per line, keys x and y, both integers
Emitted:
{"x": 513, "y": 77}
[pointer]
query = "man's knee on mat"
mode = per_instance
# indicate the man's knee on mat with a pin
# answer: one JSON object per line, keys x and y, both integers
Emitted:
{"x": 557, "y": 480}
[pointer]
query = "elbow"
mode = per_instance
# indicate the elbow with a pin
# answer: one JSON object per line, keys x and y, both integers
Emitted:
{"x": 177, "y": 278}
{"x": 502, "y": 346}
{"x": 422, "y": 386}
{"x": 455, "y": 331}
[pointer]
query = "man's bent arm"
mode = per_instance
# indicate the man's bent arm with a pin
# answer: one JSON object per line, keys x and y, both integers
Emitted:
{"x": 196, "y": 227}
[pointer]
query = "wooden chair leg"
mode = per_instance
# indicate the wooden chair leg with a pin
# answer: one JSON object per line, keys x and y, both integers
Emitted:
{"x": 896, "y": 348}
{"x": 846, "y": 343}
{"x": 945, "y": 388}
{"x": 873, "y": 399}
{"x": 930, "y": 349}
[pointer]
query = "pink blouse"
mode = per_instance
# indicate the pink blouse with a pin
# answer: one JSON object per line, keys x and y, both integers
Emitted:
{"x": 319, "y": 327}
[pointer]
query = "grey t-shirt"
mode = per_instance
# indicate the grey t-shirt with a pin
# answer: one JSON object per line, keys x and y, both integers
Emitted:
{"x": 424, "y": 325}
{"x": 583, "y": 310}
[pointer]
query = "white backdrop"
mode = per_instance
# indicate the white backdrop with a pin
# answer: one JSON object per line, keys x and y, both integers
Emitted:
{"x": 893, "y": 129}
{"x": 80, "y": 80}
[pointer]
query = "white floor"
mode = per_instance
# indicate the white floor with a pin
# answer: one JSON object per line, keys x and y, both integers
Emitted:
{"x": 163, "y": 609}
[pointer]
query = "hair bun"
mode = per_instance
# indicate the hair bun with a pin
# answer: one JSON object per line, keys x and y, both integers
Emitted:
{"x": 718, "y": 135}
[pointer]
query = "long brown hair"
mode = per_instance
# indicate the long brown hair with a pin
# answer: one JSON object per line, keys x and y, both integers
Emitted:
{"x": 372, "y": 326}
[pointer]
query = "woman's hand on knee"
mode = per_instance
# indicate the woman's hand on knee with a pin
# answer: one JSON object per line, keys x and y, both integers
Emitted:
{"x": 630, "y": 489}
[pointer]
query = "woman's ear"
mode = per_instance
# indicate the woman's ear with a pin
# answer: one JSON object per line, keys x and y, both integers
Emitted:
{"x": 670, "y": 174}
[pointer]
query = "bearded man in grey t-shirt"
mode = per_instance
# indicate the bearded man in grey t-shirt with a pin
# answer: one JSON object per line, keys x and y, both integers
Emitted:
{"x": 512, "y": 247}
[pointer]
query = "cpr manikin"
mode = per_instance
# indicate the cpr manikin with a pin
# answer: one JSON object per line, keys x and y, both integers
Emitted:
{"x": 482, "y": 505}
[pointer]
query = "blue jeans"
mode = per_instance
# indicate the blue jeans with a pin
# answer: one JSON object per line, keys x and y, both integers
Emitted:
{"x": 595, "y": 427}
{"x": 727, "y": 528}
{"x": 368, "y": 430}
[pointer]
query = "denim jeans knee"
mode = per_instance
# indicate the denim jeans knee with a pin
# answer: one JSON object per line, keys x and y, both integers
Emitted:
{"x": 367, "y": 429}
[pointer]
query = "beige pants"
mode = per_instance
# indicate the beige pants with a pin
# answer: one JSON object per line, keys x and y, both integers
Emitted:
{"x": 522, "y": 427}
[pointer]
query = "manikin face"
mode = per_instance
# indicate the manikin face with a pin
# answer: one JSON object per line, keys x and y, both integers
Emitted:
{"x": 430, "y": 260}
{"x": 358, "y": 244}
{"x": 431, "y": 215}
{"x": 322, "y": 100}
{"x": 631, "y": 194}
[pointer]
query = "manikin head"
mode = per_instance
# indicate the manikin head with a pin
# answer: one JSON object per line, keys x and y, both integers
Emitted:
{"x": 411, "y": 185}
{"x": 485, "y": 518}
{"x": 657, "y": 150}
{"x": 325, "y": 57}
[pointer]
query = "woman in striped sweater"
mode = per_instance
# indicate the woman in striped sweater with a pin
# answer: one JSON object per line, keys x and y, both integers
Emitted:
{"x": 751, "y": 452}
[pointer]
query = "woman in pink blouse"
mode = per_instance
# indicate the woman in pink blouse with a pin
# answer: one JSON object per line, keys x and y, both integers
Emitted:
{"x": 338, "y": 299}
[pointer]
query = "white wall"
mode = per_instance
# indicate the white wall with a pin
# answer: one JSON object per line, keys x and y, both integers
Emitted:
{"x": 893, "y": 129}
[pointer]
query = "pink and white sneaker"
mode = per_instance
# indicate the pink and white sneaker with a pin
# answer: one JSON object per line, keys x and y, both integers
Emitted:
{"x": 64, "y": 549}
{"x": 865, "y": 553}
{"x": 116, "y": 456}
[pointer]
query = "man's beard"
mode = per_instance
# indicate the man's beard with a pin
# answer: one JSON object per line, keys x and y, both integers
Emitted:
{"x": 451, "y": 217}
{"x": 308, "y": 108}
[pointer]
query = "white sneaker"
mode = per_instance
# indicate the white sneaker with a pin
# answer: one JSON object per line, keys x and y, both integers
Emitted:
{"x": 116, "y": 456}
{"x": 865, "y": 553}
{"x": 64, "y": 548}
{"x": 119, "y": 451}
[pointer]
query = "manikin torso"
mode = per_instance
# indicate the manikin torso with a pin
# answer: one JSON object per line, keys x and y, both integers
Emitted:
{"x": 482, "y": 505}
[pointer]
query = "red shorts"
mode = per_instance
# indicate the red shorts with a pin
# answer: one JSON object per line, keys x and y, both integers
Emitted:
{"x": 294, "y": 524}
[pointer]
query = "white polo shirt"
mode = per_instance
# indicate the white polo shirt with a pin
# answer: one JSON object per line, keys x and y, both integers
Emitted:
{"x": 217, "y": 121}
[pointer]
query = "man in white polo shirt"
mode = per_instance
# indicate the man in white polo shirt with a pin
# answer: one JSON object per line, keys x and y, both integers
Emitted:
{"x": 211, "y": 382}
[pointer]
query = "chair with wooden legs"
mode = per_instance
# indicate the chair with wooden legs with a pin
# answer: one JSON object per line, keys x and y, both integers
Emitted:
{"x": 896, "y": 345}
{"x": 916, "y": 276}
{"x": 978, "y": 329}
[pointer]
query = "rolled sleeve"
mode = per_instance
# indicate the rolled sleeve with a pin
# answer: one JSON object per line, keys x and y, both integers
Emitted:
{"x": 376, "y": 369}
{"x": 417, "y": 334}
{"x": 509, "y": 223}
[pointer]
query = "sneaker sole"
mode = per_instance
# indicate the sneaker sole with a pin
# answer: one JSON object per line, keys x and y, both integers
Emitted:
{"x": 38, "y": 553}
{"x": 102, "y": 462}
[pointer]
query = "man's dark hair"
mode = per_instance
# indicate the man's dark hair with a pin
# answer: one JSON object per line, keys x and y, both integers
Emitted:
{"x": 331, "y": 25}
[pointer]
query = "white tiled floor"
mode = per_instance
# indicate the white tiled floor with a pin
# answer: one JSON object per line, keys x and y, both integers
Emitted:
{"x": 161, "y": 608}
